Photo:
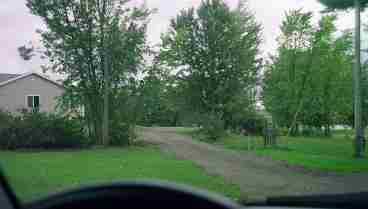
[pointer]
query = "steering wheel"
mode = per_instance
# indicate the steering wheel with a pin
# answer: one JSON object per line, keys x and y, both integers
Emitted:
{"x": 134, "y": 194}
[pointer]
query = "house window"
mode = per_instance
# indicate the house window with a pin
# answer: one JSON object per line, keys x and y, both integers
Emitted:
{"x": 33, "y": 101}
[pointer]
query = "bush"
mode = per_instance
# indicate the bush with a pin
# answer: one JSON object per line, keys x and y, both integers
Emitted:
{"x": 253, "y": 126}
{"x": 121, "y": 134}
{"x": 246, "y": 121}
{"x": 282, "y": 131}
{"x": 308, "y": 131}
{"x": 40, "y": 131}
{"x": 212, "y": 126}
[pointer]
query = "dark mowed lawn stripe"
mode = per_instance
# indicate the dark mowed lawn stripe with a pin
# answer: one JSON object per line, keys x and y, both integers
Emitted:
{"x": 35, "y": 174}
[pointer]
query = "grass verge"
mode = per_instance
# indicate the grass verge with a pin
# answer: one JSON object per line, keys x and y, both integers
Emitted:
{"x": 35, "y": 174}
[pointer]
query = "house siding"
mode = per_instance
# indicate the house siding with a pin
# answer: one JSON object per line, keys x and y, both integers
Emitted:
{"x": 13, "y": 95}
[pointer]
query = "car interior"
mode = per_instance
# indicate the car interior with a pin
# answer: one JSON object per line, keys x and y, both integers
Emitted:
{"x": 159, "y": 194}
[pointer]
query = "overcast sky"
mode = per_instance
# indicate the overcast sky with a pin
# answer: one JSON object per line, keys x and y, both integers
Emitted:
{"x": 18, "y": 26}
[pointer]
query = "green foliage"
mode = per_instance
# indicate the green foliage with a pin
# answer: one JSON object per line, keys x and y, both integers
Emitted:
{"x": 365, "y": 95}
{"x": 215, "y": 53}
{"x": 49, "y": 172}
{"x": 347, "y": 117}
{"x": 124, "y": 116}
{"x": 245, "y": 120}
{"x": 212, "y": 126}
{"x": 40, "y": 131}
{"x": 308, "y": 82}
{"x": 158, "y": 105}
{"x": 121, "y": 134}
{"x": 94, "y": 44}
{"x": 253, "y": 125}
{"x": 282, "y": 131}
{"x": 342, "y": 4}
{"x": 288, "y": 68}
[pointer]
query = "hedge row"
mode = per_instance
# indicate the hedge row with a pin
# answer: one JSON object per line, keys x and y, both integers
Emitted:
{"x": 40, "y": 131}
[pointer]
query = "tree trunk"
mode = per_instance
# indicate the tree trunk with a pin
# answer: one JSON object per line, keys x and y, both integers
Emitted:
{"x": 176, "y": 119}
{"x": 293, "y": 128}
{"x": 105, "y": 128}
{"x": 327, "y": 131}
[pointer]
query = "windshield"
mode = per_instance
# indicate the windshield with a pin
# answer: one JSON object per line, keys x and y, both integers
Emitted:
{"x": 245, "y": 98}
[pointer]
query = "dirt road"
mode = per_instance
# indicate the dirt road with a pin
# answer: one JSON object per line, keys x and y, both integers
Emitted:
{"x": 256, "y": 176}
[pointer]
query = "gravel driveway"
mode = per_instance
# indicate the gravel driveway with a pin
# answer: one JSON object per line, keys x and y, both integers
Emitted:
{"x": 256, "y": 176}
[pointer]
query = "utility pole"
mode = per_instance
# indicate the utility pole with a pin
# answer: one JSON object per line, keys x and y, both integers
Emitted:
{"x": 359, "y": 132}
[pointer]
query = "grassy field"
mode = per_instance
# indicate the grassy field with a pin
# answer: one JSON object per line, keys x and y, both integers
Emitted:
{"x": 318, "y": 153}
{"x": 34, "y": 174}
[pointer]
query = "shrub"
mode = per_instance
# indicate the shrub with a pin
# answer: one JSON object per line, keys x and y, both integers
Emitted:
{"x": 212, "y": 126}
{"x": 121, "y": 134}
{"x": 5, "y": 121}
{"x": 308, "y": 131}
{"x": 40, "y": 131}
{"x": 282, "y": 131}
{"x": 246, "y": 121}
{"x": 250, "y": 124}
{"x": 253, "y": 126}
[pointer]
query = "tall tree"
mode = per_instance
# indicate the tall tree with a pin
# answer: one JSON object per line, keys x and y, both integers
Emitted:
{"x": 289, "y": 68}
{"x": 155, "y": 100}
{"x": 98, "y": 45}
{"x": 331, "y": 77}
{"x": 357, "y": 5}
{"x": 215, "y": 51}
{"x": 317, "y": 70}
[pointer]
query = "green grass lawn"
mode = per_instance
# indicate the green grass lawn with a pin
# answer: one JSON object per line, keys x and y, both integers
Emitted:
{"x": 35, "y": 174}
{"x": 318, "y": 153}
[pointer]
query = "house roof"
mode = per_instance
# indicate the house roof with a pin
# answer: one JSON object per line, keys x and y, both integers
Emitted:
{"x": 9, "y": 78}
{"x": 6, "y": 76}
